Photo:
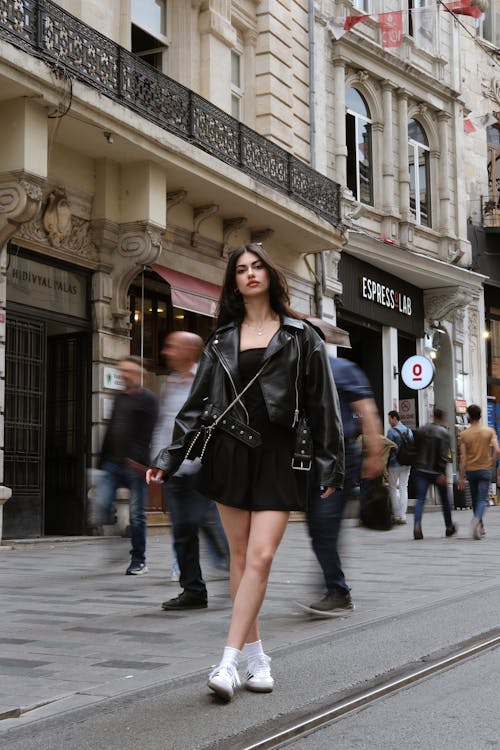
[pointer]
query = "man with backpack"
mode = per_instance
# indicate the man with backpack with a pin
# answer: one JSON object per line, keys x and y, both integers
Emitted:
{"x": 398, "y": 469}
{"x": 433, "y": 454}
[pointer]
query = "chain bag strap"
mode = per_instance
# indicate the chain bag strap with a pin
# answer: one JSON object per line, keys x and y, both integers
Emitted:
{"x": 303, "y": 452}
{"x": 216, "y": 418}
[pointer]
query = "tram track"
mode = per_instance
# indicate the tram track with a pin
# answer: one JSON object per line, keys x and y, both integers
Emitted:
{"x": 289, "y": 729}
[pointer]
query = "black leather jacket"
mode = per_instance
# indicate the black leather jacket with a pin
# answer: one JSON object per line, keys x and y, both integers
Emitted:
{"x": 433, "y": 448}
{"x": 295, "y": 345}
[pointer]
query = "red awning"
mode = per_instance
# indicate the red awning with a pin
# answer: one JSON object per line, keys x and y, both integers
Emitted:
{"x": 190, "y": 293}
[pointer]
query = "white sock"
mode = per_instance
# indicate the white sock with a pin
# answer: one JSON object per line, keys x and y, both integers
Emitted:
{"x": 253, "y": 649}
{"x": 230, "y": 656}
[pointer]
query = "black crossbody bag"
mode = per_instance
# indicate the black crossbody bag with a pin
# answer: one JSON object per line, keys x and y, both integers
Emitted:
{"x": 213, "y": 418}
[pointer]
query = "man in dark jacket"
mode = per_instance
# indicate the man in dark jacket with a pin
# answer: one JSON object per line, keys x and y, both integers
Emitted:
{"x": 324, "y": 515}
{"x": 432, "y": 443}
{"x": 125, "y": 457}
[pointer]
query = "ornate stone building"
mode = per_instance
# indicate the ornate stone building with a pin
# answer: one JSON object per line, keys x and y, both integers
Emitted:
{"x": 141, "y": 140}
{"x": 390, "y": 130}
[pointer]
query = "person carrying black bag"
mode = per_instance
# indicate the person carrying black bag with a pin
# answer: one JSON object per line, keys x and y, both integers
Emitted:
{"x": 259, "y": 373}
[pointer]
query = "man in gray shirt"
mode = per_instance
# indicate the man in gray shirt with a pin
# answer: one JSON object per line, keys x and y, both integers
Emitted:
{"x": 188, "y": 508}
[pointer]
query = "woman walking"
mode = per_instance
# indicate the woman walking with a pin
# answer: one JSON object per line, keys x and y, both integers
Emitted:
{"x": 260, "y": 372}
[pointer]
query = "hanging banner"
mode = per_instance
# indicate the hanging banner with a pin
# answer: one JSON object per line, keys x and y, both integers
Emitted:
{"x": 391, "y": 26}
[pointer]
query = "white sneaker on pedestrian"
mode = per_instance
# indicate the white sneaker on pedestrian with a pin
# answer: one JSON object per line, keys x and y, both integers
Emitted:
{"x": 476, "y": 528}
{"x": 258, "y": 677}
{"x": 223, "y": 680}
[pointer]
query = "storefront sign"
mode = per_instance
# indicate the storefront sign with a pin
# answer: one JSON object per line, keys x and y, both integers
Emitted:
{"x": 385, "y": 296}
{"x": 380, "y": 297}
{"x": 407, "y": 412}
{"x": 113, "y": 379}
{"x": 417, "y": 372}
{"x": 46, "y": 287}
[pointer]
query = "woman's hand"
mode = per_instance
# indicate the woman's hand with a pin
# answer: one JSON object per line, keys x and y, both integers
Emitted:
{"x": 327, "y": 491}
{"x": 155, "y": 476}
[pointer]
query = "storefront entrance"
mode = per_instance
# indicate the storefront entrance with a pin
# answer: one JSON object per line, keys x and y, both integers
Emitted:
{"x": 46, "y": 419}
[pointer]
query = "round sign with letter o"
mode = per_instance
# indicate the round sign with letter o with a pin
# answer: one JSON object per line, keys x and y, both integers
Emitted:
{"x": 417, "y": 372}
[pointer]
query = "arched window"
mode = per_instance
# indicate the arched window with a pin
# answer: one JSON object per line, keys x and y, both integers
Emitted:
{"x": 359, "y": 147}
{"x": 493, "y": 140}
{"x": 418, "y": 160}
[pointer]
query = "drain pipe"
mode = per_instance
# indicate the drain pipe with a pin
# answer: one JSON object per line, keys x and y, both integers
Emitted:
{"x": 319, "y": 267}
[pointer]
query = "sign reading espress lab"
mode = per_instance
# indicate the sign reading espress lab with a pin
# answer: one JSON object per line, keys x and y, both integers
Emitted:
{"x": 417, "y": 372}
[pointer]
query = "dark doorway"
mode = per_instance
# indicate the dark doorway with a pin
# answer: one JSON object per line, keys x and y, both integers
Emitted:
{"x": 66, "y": 438}
{"x": 46, "y": 426}
{"x": 366, "y": 351}
{"x": 24, "y": 427}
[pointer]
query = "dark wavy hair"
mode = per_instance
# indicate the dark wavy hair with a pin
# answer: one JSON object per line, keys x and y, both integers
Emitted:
{"x": 231, "y": 308}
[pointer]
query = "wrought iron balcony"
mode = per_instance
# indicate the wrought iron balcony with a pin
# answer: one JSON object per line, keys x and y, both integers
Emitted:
{"x": 490, "y": 213}
{"x": 46, "y": 31}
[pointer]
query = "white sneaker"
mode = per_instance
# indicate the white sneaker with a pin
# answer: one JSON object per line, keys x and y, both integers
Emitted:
{"x": 258, "y": 677}
{"x": 223, "y": 680}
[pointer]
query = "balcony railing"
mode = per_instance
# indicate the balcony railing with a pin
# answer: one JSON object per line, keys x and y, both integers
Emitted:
{"x": 46, "y": 31}
{"x": 490, "y": 213}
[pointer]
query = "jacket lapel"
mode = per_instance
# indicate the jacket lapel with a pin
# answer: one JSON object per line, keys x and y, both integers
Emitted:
{"x": 227, "y": 345}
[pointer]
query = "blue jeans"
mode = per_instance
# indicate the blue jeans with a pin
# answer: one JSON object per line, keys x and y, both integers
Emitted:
{"x": 479, "y": 483}
{"x": 422, "y": 482}
{"x": 116, "y": 476}
{"x": 188, "y": 511}
{"x": 324, "y": 517}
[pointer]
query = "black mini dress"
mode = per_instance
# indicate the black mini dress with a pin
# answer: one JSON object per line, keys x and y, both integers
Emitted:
{"x": 259, "y": 478}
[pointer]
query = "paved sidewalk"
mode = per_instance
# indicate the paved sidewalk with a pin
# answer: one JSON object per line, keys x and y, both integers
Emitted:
{"x": 75, "y": 629}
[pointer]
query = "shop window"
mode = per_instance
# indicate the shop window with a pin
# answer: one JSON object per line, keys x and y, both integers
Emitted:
{"x": 152, "y": 317}
{"x": 150, "y": 32}
{"x": 418, "y": 161}
{"x": 359, "y": 147}
{"x": 236, "y": 84}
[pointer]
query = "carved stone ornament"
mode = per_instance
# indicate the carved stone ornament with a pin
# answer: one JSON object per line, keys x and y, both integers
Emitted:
{"x": 492, "y": 89}
{"x": 79, "y": 243}
{"x": 56, "y": 219}
{"x": 439, "y": 304}
{"x": 200, "y": 214}
{"x": 175, "y": 197}
{"x": 229, "y": 227}
{"x": 259, "y": 236}
{"x": 138, "y": 245}
{"x": 19, "y": 202}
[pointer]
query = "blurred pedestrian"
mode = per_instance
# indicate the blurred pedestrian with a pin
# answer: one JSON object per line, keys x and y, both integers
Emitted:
{"x": 189, "y": 509}
{"x": 125, "y": 456}
{"x": 433, "y": 454}
{"x": 324, "y": 515}
{"x": 398, "y": 473}
{"x": 479, "y": 452}
{"x": 262, "y": 369}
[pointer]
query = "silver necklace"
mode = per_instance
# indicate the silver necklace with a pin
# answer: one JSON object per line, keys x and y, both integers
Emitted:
{"x": 259, "y": 330}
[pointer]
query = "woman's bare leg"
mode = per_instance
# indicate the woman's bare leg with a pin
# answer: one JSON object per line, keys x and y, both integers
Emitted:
{"x": 253, "y": 540}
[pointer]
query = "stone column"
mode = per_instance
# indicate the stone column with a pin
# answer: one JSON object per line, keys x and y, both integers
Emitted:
{"x": 404, "y": 170}
{"x": 444, "y": 174}
{"x": 339, "y": 121}
{"x": 387, "y": 151}
{"x": 20, "y": 201}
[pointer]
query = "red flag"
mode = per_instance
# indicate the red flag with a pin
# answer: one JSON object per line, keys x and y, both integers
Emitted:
{"x": 351, "y": 21}
{"x": 391, "y": 26}
{"x": 469, "y": 126}
{"x": 464, "y": 8}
